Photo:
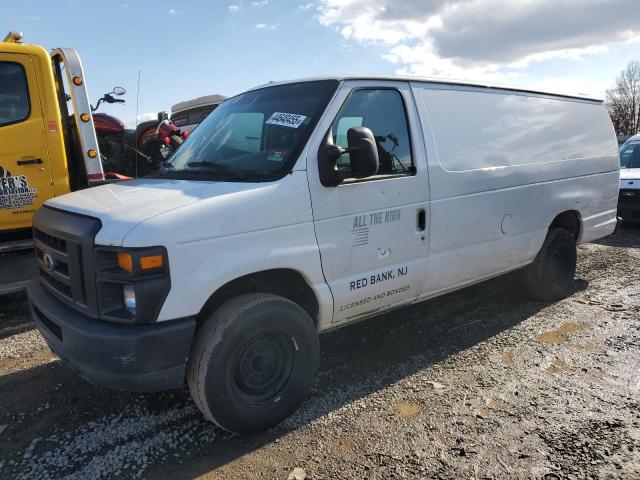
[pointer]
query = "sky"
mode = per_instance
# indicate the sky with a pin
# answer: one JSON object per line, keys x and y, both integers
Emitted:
{"x": 192, "y": 48}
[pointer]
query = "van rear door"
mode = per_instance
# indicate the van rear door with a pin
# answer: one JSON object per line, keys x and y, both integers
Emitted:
{"x": 25, "y": 177}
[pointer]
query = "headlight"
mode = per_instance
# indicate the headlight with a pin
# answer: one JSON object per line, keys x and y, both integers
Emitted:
{"x": 132, "y": 283}
{"x": 129, "y": 297}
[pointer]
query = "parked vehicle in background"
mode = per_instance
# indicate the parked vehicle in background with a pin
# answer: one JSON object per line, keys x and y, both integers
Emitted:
{"x": 622, "y": 139}
{"x": 188, "y": 114}
{"x": 48, "y": 146}
{"x": 299, "y": 207}
{"x": 629, "y": 201}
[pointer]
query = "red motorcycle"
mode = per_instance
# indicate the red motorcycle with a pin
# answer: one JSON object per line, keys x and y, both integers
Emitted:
{"x": 116, "y": 142}
{"x": 159, "y": 139}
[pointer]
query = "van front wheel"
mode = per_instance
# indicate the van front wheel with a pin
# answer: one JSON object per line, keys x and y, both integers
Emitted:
{"x": 253, "y": 362}
{"x": 551, "y": 275}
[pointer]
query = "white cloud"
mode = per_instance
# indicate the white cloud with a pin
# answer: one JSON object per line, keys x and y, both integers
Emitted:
{"x": 233, "y": 8}
{"x": 260, "y": 3}
{"x": 306, "y": 6}
{"x": 267, "y": 26}
{"x": 489, "y": 40}
{"x": 142, "y": 117}
{"x": 173, "y": 11}
{"x": 570, "y": 85}
{"x": 34, "y": 18}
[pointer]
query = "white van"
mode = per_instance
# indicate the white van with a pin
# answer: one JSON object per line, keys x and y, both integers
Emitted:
{"x": 298, "y": 207}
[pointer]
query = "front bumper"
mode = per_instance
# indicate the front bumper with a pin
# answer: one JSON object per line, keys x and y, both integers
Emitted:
{"x": 629, "y": 205}
{"x": 136, "y": 358}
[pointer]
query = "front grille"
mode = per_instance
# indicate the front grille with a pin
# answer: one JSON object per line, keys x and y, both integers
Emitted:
{"x": 64, "y": 244}
{"x": 51, "y": 241}
{"x": 629, "y": 194}
{"x": 60, "y": 266}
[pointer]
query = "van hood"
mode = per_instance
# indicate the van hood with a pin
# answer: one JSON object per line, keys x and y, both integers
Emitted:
{"x": 630, "y": 178}
{"x": 124, "y": 205}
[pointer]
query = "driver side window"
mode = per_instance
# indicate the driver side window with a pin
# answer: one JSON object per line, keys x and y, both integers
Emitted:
{"x": 383, "y": 112}
{"x": 14, "y": 93}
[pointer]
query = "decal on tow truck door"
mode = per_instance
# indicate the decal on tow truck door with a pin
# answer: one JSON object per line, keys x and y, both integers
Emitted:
{"x": 15, "y": 191}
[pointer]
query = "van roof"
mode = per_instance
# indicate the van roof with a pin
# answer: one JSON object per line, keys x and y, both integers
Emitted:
{"x": 440, "y": 81}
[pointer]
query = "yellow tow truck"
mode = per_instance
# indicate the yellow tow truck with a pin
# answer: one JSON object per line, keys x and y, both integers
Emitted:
{"x": 48, "y": 145}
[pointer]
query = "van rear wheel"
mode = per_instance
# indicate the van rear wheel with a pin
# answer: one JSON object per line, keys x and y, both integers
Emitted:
{"x": 551, "y": 275}
{"x": 253, "y": 362}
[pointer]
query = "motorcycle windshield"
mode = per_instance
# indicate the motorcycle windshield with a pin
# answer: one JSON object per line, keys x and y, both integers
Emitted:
{"x": 258, "y": 134}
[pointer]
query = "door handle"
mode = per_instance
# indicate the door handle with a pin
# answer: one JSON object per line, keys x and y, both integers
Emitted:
{"x": 32, "y": 161}
{"x": 422, "y": 220}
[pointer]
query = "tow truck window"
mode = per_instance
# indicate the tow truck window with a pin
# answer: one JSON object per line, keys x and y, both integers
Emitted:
{"x": 14, "y": 93}
{"x": 383, "y": 112}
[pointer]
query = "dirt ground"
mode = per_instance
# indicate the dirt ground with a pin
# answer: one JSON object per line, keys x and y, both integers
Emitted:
{"x": 481, "y": 383}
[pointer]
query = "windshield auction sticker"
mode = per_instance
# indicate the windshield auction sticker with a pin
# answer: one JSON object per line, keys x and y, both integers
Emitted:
{"x": 15, "y": 191}
{"x": 291, "y": 120}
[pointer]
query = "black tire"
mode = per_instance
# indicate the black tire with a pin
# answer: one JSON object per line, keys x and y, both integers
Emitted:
{"x": 253, "y": 362}
{"x": 551, "y": 275}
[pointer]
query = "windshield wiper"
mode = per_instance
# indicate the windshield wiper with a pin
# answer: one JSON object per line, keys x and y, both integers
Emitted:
{"x": 220, "y": 166}
{"x": 263, "y": 174}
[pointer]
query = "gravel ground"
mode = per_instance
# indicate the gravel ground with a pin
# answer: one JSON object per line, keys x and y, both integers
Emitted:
{"x": 481, "y": 383}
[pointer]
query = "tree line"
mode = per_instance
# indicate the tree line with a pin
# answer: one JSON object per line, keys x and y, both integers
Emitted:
{"x": 623, "y": 100}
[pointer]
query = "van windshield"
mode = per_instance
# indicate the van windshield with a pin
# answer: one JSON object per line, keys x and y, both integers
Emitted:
{"x": 255, "y": 136}
{"x": 630, "y": 155}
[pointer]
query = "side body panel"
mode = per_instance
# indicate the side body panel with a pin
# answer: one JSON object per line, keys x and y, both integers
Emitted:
{"x": 216, "y": 240}
{"x": 502, "y": 165}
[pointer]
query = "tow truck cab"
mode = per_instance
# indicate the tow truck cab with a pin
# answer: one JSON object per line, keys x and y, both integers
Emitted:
{"x": 45, "y": 149}
{"x": 302, "y": 206}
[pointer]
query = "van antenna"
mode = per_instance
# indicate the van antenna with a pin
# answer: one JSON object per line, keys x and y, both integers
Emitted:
{"x": 135, "y": 136}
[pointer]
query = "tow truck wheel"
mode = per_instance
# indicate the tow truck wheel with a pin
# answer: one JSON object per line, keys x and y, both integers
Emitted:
{"x": 253, "y": 362}
{"x": 551, "y": 275}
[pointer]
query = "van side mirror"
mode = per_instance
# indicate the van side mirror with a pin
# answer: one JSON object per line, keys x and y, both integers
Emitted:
{"x": 363, "y": 152}
{"x": 363, "y": 156}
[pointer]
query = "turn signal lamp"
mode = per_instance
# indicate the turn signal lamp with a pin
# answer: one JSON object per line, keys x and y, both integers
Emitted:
{"x": 149, "y": 262}
{"x": 77, "y": 81}
{"x": 92, "y": 153}
{"x": 85, "y": 117}
{"x": 125, "y": 261}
